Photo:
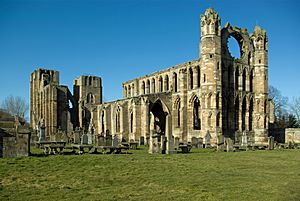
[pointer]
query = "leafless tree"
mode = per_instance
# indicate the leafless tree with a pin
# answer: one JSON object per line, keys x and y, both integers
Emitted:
{"x": 15, "y": 106}
{"x": 295, "y": 107}
{"x": 280, "y": 101}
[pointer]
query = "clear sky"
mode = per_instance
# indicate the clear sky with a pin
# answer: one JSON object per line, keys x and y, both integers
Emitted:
{"x": 119, "y": 40}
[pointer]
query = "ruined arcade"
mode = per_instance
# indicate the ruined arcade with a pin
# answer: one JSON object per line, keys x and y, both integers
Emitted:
{"x": 209, "y": 98}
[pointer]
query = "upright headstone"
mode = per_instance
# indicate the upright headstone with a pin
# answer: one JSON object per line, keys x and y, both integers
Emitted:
{"x": 84, "y": 139}
{"x": 176, "y": 143}
{"x": 200, "y": 141}
{"x": 42, "y": 134}
{"x": 271, "y": 143}
{"x": 108, "y": 140}
{"x": 229, "y": 145}
{"x": 76, "y": 136}
{"x": 101, "y": 140}
{"x": 207, "y": 140}
{"x": 154, "y": 145}
{"x": 244, "y": 140}
{"x": 220, "y": 143}
{"x": 142, "y": 140}
{"x": 194, "y": 142}
{"x": 115, "y": 142}
{"x": 90, "y": 138}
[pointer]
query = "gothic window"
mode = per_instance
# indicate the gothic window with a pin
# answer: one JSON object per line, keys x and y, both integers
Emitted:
{"x": 191, "y": 78}
{"x": 148, "y": 86}
{"x": 90, "y": 98}
{"x": 117, "y": 120}
{"x": 209, "y": 120}
{"x": 244, "y": 114}
{"x": 175, "y": 82}
{"x": 129, "y": 91}
{"x": 236, "y": 78}
{"x": 160, "y": 81}
{"x": 102, "y": 122}
{"x": 196, "y": 119}
{"x": 251, "y": 81}
{"x": 90, "y": 80}
{"x": 166, "y": 83}
{"x": 237, "y": 110}
{"x": 131, "y": 122}
{"x": 198, "y": 76}
{"x": 204, "y": 78}
{"x": 177, "y": 113}
{"x": 250, "y": 114}
{"x": 153, "y": 85}
{"x": 218, "y": 120}
{"x": 86, "y": 80}
{"x": 132, "y": 90}
{"x": 143, "y": 87}
{"x": 217, "y": 100}
{"x": 244, "y": 80}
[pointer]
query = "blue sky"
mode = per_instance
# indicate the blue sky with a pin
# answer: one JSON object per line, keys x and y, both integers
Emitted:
{"x": 119, "y": 40}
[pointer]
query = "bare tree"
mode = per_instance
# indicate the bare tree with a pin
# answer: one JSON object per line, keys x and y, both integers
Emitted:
{"x": 15, "y": 106}
{"x": 280, "y": 101}
{"x": 295, "y": 107}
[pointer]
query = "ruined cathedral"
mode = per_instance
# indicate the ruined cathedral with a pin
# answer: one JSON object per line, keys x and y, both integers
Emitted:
{"x": 213, "y": 95}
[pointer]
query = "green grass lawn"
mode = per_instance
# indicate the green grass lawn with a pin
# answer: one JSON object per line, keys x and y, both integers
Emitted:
{"x": 200, "y": 175}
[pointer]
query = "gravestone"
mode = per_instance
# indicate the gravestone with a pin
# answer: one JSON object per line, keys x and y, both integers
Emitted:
{"x": 90, "y": 138}
{"x": 194, "y": 142}
{"x": 176, "y": 143}
{"x": 244, "y": 140}
{"x": 200, "y": 142}
{"x": 207, "y": 140}
{"x": 84, "y": 139}
{"x": 220, "y": 143}
{"x": 271, "y": 143}
{"x": 101, "y": 140}
{"x": 42, "y": 133}
{"x": 115, "y": 142}
{"x": 76, "y": 136}
{"x": 163, "y": 144}
{"x": 142, "y": 140}
{"x": 229, "y": 145}
{"x": 154, "y": 146}
{"x": 108, "y": 140}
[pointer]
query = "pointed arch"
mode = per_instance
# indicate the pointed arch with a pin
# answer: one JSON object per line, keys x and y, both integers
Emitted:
{"x": 191, "y": 78}
{"x": 175, "y": 80}
{"x": 160, "y": 84}
{"x": 143, "y": 88}
{"x": 251, "y": 114}
{"x": 166, "y": 83}
{"x": 198, "y": 76}
{"x": 177, "y": 108}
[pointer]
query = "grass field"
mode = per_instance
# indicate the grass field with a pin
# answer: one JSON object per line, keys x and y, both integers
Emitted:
{"x": 200, "y": 175}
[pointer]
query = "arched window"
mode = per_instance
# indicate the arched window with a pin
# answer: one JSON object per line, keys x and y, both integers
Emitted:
{"x": 198, "y": 76}
{"x": 209, "y": 120}
{"x": 86, "y": 80}
{"x": 204, "y": 78}
{"x": 90, "y": 80}
{"x": 131, "y": 122}
{"x": 129, "y": 91}
{"x": 218, "y": 119}
{"x": 250, "y": 114}
{"x": 244, "y": 114}
{"x": 132, "y": 90}
{"x": 143, "y": 88}
{"x": 217, "y": 100}
{"x": 102, "y": 122}
{"x": 237, "y": 110}
{"x": 191, "y": 78}
{"x": 251, "y": 81}
{"x": 236, "y": 78}
{"x": 160, "y": 81}
{"x": 166, "y": 83}
{"x": 153, "y": 85}
{"x": 196, "y": 118}
{"x": 118, "y": 120}
{"x": 148, "y": 87}
{"x": 175, "y": 82}
{"x": 90, "y": 98}
{"x": 244, "y": 80}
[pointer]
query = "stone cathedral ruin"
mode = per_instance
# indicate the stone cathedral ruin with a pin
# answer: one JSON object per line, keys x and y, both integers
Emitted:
{"x": 209, "y": 98}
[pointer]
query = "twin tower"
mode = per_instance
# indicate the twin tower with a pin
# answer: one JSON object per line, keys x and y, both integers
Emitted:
{"x": 214, "y": 95}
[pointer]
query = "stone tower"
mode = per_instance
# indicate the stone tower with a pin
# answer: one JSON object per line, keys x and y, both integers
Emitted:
{"x": 260, "y": 64}
{"x": 49, "y": 102}
{"x": 87, "y": 94}
{"x": 211, "y": 85}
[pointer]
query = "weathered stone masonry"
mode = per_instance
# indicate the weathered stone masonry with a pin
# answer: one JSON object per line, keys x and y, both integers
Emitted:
{"x": 215, "y": 95}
